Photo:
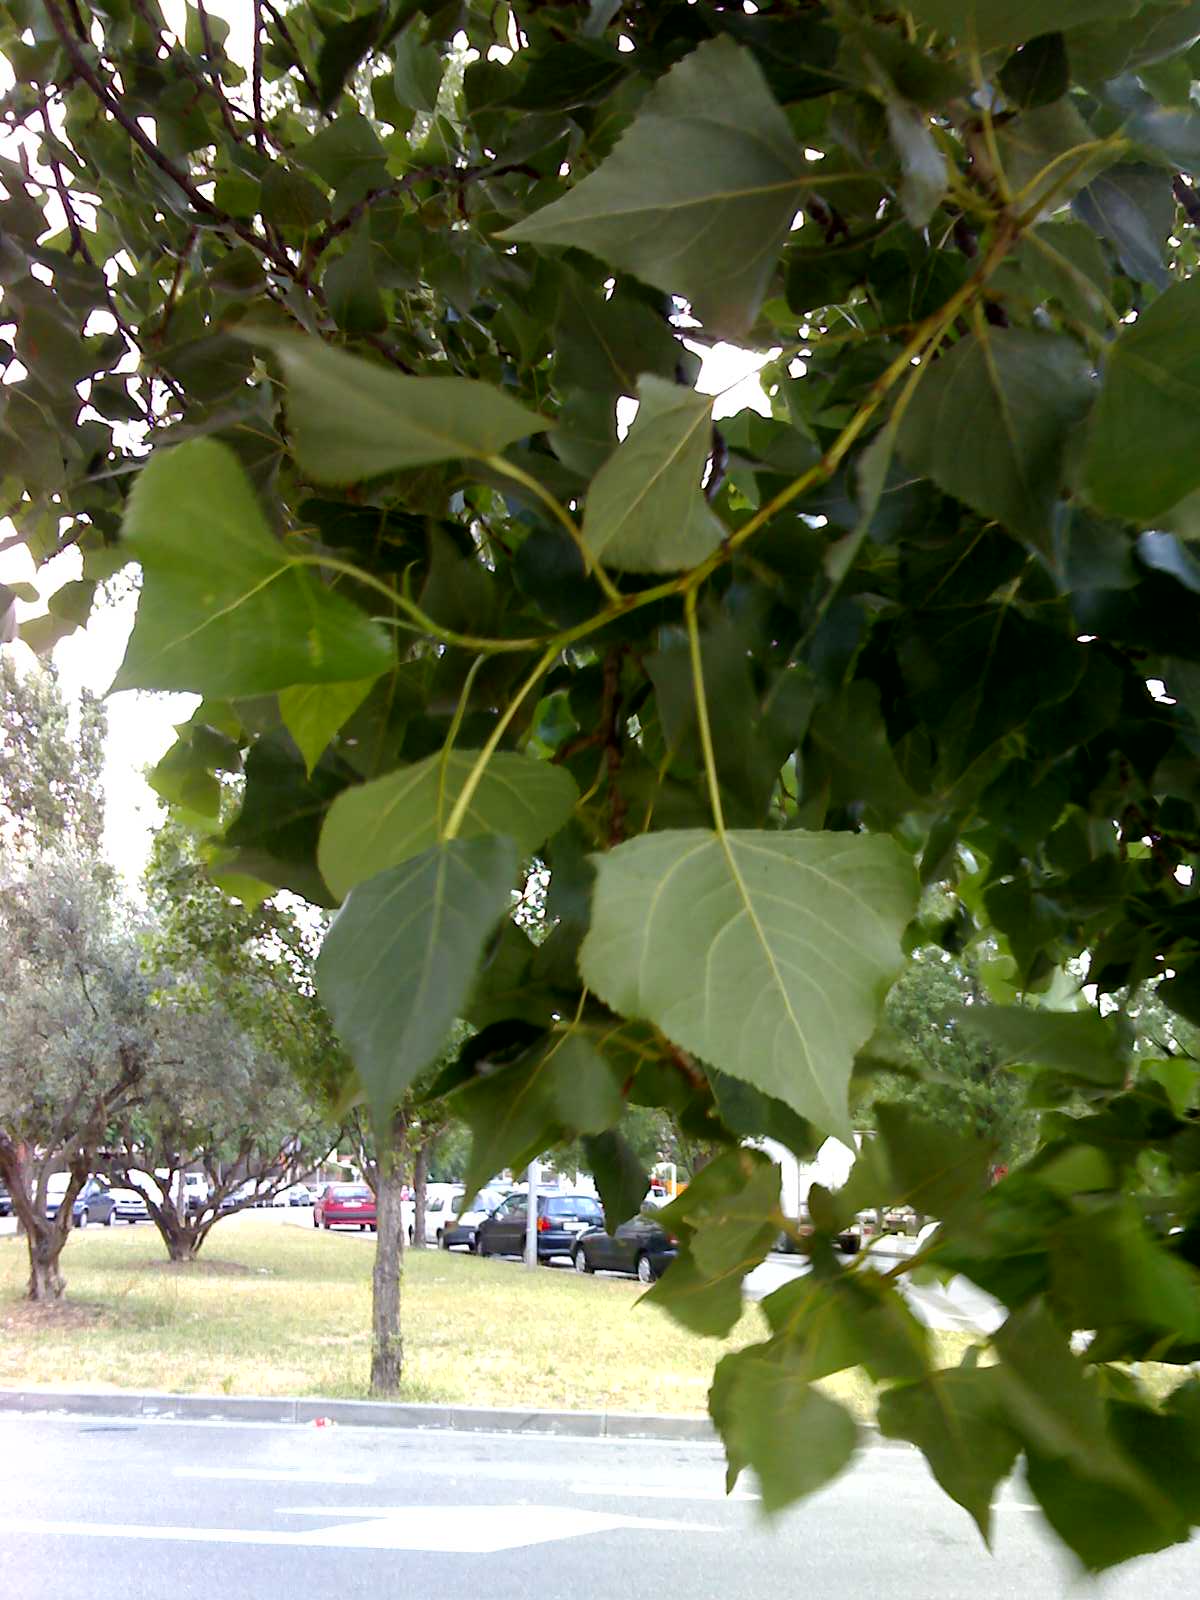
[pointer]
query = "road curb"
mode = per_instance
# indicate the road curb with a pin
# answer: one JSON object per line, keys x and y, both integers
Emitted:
{"x": 361, "y": 1413}
{"x": 385, "y": 1414}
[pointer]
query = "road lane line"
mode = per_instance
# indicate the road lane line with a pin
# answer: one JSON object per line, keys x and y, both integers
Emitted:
{"x": 274, "y": 1475}
{"x": 661, "y": 1491}
{"x": 451, "y": 1530}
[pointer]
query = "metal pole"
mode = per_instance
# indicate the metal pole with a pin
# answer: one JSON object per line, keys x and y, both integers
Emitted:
{"x": 533, "y": 1179}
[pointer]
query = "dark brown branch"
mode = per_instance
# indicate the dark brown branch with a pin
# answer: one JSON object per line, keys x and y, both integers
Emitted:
{"x": 290, "y": 44}
{"x": 257, "y": 70}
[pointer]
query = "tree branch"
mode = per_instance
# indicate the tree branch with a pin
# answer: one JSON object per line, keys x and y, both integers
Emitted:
{"x": 111, "y": 103}
{"x": 282, "y": 29}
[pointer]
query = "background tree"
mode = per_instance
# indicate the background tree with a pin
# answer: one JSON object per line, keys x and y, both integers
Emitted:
{"x": 219, "y": 1103}
{"x": 953, "y": 1076}
{"x": 76, "y": 1039}
{"x": 371, "y": 302}
{"x": 51, "y": 794}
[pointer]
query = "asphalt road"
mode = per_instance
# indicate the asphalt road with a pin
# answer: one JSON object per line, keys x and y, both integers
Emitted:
{"x": 193, "y": 1510}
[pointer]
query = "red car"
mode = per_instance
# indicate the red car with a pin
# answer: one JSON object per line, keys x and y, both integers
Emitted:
{"x": 345, "y": 1205}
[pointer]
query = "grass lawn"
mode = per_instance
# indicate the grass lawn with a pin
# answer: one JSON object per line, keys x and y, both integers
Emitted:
{"x": 274, "y": 1309}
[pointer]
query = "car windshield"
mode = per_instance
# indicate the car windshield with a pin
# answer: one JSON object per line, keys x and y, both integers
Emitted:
{"x": 351, "y": 1191}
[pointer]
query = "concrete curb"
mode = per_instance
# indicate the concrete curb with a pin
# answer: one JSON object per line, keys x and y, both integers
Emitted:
{"x": 385, "y": 1414}
{"x": 361, "y": 1413}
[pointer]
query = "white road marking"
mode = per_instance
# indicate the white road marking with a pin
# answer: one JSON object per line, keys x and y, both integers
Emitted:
{"x": 460, "y": 1530}
{"x": 274, "y": 1475}
{"x": 662, "y": 1491}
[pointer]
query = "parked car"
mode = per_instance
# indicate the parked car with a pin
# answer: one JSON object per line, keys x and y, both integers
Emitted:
{"x": 441, "y": 1207}
{"x": 6, "y": 1204}
{"x": 244, "y": 1195}
{"x": 641, "y": 1246}
{"x": 459, "y": 1231}
{"x": 561, "y": 1218}
{"x": 129, "y": 1205}
{"x": 298, "y": 1195}
{"x": 197, "y": 1195}
{"x": 345, "y": 1205}
{"x": 98, "y": 1201}
{"x": 440, "y": 1200}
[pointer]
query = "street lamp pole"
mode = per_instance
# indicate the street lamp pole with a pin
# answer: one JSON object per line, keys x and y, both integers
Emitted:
{"x": 533, "y": 1177}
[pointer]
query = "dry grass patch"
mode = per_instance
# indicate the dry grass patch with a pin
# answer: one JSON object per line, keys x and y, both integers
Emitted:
{"x": 275, "y": 1309}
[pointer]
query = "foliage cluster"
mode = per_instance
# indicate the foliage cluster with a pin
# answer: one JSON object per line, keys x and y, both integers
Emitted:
{"x": 372, "y": 299}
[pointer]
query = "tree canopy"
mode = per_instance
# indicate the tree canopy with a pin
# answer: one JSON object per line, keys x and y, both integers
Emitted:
{"x": 341, "y": 344}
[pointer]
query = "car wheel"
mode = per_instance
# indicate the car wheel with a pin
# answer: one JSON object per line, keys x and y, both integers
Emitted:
{"x": 84, "y": 1219}
{"x": 316, "y": 1224}
{"x": 443, "y": 1243}
{"x": 412, "y": 1236}
{"x": 481, "y": 1248}
{"x": 325, "y": 1224}
{"x": 108, "y": 1221}
{"x": 582, "y": 1264}
{"x": 645, "y": 1271}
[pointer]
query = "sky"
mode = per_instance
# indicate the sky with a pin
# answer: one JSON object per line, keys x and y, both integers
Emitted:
{"x": 141, "y": 726}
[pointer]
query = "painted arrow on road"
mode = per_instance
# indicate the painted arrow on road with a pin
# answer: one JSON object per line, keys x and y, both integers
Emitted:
{"x": 460, "y": 1530}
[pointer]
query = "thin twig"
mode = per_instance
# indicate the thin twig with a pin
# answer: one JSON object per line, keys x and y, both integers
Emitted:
{"x": 214, "y": 72}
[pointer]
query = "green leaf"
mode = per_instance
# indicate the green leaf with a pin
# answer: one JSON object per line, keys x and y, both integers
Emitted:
{"x": 958, "y": 1422}
{"x": 291, "y": 200}
{"x": 1143, "y": 449}
{"x": 990, "y": 421}
{"x": 921, "y": 161}
{"x": 1102, "y": 1524}
{"x": 605, "y": 344}
{"x": 645, "y": 509}
{"x": 1053, "y": 1406}
{"x": 353, "y": 419}
{"x": 850, "y": 1320}
{"x": 354, "y": 299}
{"x": 275, "y": 833}
{"x": 767, "y": 954}
{"x": 1108, "y": 1272}
{"x": 1134, "y": 208}
{"x": 561, "y": 1088}
{"x": 708, "y": 165}
{"x": 398, "y": 962}
{"x": 313, "y": 712}
{"x": 850, "y": 757}
{"x": 1080, "y": 1043}
{"x": 986, "y": 24}
{"x": 224, "y": 611}
{"x": 728, "y": 1219}
{"x": 417, "y": 73}
{"x": 1038, "y": 73}
{"x": 620, "y": 1176}
{"x": 382, "y": 823}
{"x": 794, "y": 1438}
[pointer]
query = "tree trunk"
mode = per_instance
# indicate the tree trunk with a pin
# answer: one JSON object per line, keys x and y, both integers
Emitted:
{"x": 387, "y": 1347}
{"x": 421, "y": 1192}
{"x": 44, "y": 1237}
{"x": 182, "y": 1242}
{"x": 46, "y": 1282}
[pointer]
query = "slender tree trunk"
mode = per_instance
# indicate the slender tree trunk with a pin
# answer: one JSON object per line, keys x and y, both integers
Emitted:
{"x": 45, "y": 1237}
{"x": 420, "y": 1192}
{"x": 387, "y": 1346}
